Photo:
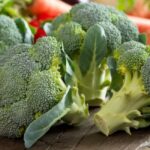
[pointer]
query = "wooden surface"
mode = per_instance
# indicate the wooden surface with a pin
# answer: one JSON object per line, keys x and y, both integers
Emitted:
{"x": 84, "y": 137}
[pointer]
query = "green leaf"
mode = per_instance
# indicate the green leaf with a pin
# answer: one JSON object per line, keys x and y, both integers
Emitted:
{"x": 94, "y": 48}
{"x": 24, "y": 30}
{"x": 142, "y": 38}
{"x": 41, "y": 125}
{"x": 117, "y": 79}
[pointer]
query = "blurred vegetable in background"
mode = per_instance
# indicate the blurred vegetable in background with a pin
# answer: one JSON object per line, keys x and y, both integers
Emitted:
{"x": 72, "y": 2}
{"x": 140, "y": 8}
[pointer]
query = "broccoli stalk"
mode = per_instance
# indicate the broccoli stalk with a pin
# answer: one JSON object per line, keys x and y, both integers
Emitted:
{"x": 89, "y": 70}
{"x": 123, "y": 110}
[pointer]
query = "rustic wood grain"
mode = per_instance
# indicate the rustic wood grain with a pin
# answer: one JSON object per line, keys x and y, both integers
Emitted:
{"x": 83, "y": 137}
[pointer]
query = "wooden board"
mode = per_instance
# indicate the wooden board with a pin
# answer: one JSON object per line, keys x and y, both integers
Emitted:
{"x": 83, "y": 137}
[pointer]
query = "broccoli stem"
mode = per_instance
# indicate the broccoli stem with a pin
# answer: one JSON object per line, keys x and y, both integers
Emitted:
{"x": 121, "y": 111}
{"x": 95, "y": 85}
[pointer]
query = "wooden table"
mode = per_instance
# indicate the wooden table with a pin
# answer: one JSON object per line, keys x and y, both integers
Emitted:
{"x": 84, "y": 137}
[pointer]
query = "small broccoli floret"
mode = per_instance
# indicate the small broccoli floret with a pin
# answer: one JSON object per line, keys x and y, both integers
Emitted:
{"x": 14, "y": 78}
{"x": 9, "y": 32}
{"x": 123, "y": 110}
{"x": 9, "y": 52}
{"x": 113, "y": 35}
{"x": 14, "y": 119}
{"x": 130, "y": 60}
{"x": 72, "y": 36}
{"x": 60, "y": 20}
{"x": 89, "y": 14}
{"x": 131, "y": 45}
{"x": 45, "y": 90}
{"x": 47, "y": 52}
{"x": 128, "y": 30}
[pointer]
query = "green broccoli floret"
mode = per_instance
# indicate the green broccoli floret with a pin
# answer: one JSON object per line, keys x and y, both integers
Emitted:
{"x": 128, "y": 30}
{"x": 8, "y": 52}
{"x": 89, "y": 14}
{"x": 72, "y": 36}
{"x": 113, "y": 35}
{"x": 130, "y": 45}
{"x": 9, "y": 32}
{"x": 60, "y": 20}
{"x": 123, "y": 110}
{"x": 45, "y": 90}
{"x": 14, "y": 76}
{"x": 47, "y": 52}
{"x": 14, "y": 118}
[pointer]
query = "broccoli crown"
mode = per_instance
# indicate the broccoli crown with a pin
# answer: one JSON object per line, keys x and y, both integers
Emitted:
{"x": 132, "y": 60}
{"x": 113, "y": 35}
{"x": 14, "y": 78}
{"x": 47, "y": 52}
{"x": 72, "y": 36}
{"x": 45, "y": 90}
{"x": 8, "y": 52}
{"x": 128, "y": 30}
{"x": 89, "y": 14}
{"x": 62, "y": 19}
{"x": 9, "y": 31}
{"x": 145, "y": 75}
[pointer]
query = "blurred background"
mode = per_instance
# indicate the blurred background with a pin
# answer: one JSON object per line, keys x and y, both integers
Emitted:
{"x": 38, "y": 11}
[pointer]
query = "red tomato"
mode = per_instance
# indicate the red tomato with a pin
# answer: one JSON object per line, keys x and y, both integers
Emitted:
{"x": 51, "y": 8}
{"x": 40, "y": 33}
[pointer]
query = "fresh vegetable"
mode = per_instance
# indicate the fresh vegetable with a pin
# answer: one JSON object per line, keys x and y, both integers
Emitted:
{"x": 99, "y": 59}
{"x": 9, "y": 32}
{"x": 123, "y": 110}
{"x": 77, "y": 30}
{"x": 31, "y": 84}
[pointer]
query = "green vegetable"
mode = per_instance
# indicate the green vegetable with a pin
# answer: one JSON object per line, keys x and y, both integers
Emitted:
{"x": 7, "y": 53}
{"x": 72, "y": 36}
{"x": 123, "y": 110}
{"x": 9, "y": 32}
{"x": 89, "y": 14}
{"x": 128, "y": 29}
{"x": 29, "y": 88}
{"x": 89, "y": 71}
{"x": 47, "y": 52}
{"x": 73, "y": 30}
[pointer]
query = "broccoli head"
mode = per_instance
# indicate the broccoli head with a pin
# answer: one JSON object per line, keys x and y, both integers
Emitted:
{"x": 112, "y": 34}
{"x": 128, "y": 30}
{"x": 27, "y": 91}
{"x": 72, "y": 36}
{"x": 47, "y": 52}
{"x": 123, "y": 110}
{"x": 89, "y": 14}
{"x": 9, "y": 32}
